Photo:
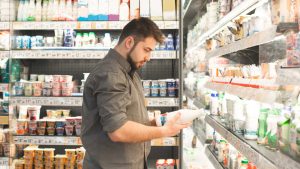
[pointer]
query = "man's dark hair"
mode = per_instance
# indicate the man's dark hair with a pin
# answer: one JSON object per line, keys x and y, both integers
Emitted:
{"x": 140, "y": 29}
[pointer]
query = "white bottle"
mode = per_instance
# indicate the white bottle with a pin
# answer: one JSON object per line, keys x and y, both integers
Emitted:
{"x": 45, "y": 10}
{"x": 124, "y": 11}
{"x": 214, "y": 104}
{"x": 31, "y": 11}
{"x": 62, "y": 10}
{"x": 50, "y": 10}
{"x": 55, "y": 10}
{"x": 25, "y": 10}
{"x": 252, "y": 115}
{"x": 186, "y": 116}
{"x": 20, "y": 10}
{"x": 107, "y": 40}
{"x": 69, "y": 9}
{"x": 75, "y": 10}
{"x": 78, "y": 40}
{"x": 38, "y": 12}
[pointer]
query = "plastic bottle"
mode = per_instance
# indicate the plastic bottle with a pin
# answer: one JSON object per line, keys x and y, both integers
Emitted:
{"x": 124, "y": 11}
{"x": 262, "y": 125}
{"x": 50, "y": 10}
{"x": 20, "y": 10}
{"x": 170, "y": 42}
{"x": 38, "y": 12}
{"x": 107, "y": 40}
{"x": 31, "y": 11}
{"x": 186, "y": 116}
{"x": 15, "y": 70}
{"x": 68, "y": 38}
{"x": 69, "y": 11}
{"x": 284, "y": 129}
{"x": 295, "y": 125}
{"x": 78, "y": 40}
{"x": 113, "y": 12}
{"x": 272, "y": 128}
{"x": 251, "y": 125}
{"x": 55, "y": 10}
{"x": 62, "y": 10}
{"x": 25, "y": 10}
{"x": 75, "y": 10}
{"x": 244, "y": 164}
{"x": 85, "y": 40}
{"x": 214, "y": 104}
{"x": 45, "y": 10}
{"x": 92, "y": 39}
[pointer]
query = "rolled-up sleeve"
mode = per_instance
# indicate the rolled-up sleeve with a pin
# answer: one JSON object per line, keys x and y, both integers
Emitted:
{"x": 112, "y": 95}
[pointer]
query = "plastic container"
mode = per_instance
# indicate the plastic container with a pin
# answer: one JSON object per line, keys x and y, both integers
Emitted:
{"x": 34, "y": 112}
{"x": 66, "y": 113}
{"x": 186, "y": 116}
{"x": 69, "y": 130}
{"x": 22, "y": 127}
{"x": 51, "y": 123}
{"x": 214, "y": 104}
{"x": 56, "y": 78}
{"x": 47, "y": 92}
{"x": 60, "y": 123}
{"x": 41, "y": 131}
{"x": 60, "y": 131}
{"x": 70, "y": 121}
{"x": 78, "y": 130}
{"x": 51, "y": 131}
{"x": 37, "y": 92}
{"x": 67, "y": 92}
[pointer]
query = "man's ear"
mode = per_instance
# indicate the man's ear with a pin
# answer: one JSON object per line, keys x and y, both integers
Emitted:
{"x": 129, "y": 42}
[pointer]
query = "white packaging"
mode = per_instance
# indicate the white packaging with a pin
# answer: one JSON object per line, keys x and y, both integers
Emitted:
{"x": 124, "y": 11}
{"x": 113, "y": 9}
{"x": 93, "y": 7}
{"x": 103, "y": 7}
{"x": 186, "y": 116}
{"x": 252, "y": 115}
{"x": 145, "y": 8}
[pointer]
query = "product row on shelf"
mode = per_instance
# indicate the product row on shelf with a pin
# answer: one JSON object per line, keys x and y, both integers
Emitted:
{"x": 87, "y": 10}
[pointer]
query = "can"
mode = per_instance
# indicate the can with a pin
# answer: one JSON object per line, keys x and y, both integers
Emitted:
{"x": 162, "y": 92}
{"x": 154, "y": 92}
{"x": 146, "y": 83}
{"x": 146, "y": 92}
{"x": 162, "y": 84}
{"x": 19, "y": 42}
{"x": 26, "y": 42}
{"x": 154, "y": 84}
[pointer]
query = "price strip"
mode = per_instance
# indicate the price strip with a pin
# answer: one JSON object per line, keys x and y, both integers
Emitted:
{"x": 4, "y": 54}
{"x": 171, "y": 24}
{"x": 47, "y": 101}
{"x": 4, "y": 25}
{"x": 51, "y": 140}
{"x": 162, "y": 102}
{"x": 160, "y": 24}
{"x": 4, "y": 161}
{"x": 85, "y": 25}
{"x": 101, "y": 25}
{"x": 115, "y": 25}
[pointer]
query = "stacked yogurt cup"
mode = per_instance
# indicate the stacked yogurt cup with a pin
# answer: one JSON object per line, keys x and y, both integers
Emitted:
{"x": 85, "y": 76}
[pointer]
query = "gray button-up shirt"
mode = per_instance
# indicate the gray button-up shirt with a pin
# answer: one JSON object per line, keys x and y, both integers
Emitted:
{"x": 112, "y": 96}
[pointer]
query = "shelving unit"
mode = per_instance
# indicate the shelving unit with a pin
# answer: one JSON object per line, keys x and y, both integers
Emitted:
{"x": 4, "y": 161}
{"x": 73, "y": 53}
{"x": 86, "y": 25}
{"x": 261, "y": 156}
{"x": 212, "y": 157}
{"x": 4, "y": 54}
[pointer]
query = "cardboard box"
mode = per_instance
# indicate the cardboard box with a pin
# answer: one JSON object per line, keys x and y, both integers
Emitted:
{"x": 156, "y": 10}
{"x": 169, "y": 10}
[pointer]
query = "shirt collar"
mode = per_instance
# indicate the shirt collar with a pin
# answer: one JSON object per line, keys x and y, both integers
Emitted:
{"x": 113, "y": 54}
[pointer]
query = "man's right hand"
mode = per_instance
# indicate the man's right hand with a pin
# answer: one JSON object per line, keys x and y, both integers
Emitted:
{"x": 172, "y": 128}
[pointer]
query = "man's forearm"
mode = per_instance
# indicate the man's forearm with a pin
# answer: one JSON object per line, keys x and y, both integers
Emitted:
{"x": 132, "y": 132}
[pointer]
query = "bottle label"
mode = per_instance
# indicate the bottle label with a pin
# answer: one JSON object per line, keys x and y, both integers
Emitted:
{"x": 163, "y": 119}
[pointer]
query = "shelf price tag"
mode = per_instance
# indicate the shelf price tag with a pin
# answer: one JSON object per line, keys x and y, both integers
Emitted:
{"x": 4, "y": 25}
{"x": 101, "y": 25}
{"x": 171, "y": 24}
{"x": 85, "y": 25}
{"x": 4, "y": 161}
{"x": 160, "y": 24}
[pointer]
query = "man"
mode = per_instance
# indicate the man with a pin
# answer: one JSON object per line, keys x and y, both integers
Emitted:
{"x": 116, "y": 130}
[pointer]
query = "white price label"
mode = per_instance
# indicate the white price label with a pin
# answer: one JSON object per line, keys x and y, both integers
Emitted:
{"x": 85, "y": 25}
{"x": 171, "y": 24}
{"x": 4, "y": 161}
{"x": 101, "y": 25}
{"x": 4, "y": 25}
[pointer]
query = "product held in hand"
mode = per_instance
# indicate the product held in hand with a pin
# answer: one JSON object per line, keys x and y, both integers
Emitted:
{"x": 186, "y": 116}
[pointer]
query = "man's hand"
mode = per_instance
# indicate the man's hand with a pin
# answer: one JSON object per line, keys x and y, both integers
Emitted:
{"x": 172, "y": 128}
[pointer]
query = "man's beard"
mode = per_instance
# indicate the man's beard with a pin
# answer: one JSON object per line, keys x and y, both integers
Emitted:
{"x": 131, "y": 62}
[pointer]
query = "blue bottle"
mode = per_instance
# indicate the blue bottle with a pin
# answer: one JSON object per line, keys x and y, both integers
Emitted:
{"x": 170, "y": 42}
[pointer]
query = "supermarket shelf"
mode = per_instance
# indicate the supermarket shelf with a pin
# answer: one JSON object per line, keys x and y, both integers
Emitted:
{"x": 77, "y": 101}
{"x": 213, "y": 158}
{"x": 4, "y": 54}
{"x": 78, "y": 54}
{"x": 254, "y": 40}
{"x": 4, "y": 161}
{"x": 261, "y": 95}
{"x": 244, "y": 7}
{"x": 4, "y": 87}
{"x": 259, "y": 155}
{"x": 192, "y": 8}
{"x": 76, "y": 141}
{"x": 93, "y": 25}
{"x": 4, "y": 26}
